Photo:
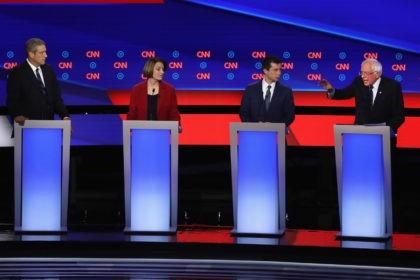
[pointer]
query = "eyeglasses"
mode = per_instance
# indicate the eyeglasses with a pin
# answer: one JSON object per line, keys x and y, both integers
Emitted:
{"x": 362, "y": 73}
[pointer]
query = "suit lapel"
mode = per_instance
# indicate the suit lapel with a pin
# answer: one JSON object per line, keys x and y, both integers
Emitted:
{"x": 276, "y": 93}
{"x": 30, "y": 74}
{"x": 45, "y": 74}
{"x": 381, "y": 88}
{"x": 33, "y": 79}
{"x": 260, "y": 94}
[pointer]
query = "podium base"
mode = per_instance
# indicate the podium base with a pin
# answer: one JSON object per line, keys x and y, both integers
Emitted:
{"x": 277, "y": 234}
{"x": 61, "y": 231}
{"x": 129, "y": 231}
{"x": 379, "y": 238}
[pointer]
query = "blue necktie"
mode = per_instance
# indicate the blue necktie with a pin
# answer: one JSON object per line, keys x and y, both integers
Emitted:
{"x": 267, "y": 98}
{"x": 41, "y": 84}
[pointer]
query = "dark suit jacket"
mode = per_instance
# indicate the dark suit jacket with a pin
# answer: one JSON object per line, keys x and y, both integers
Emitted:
{"x": 24, "y": 95}
{"x": 167, "y": 107}
{"x": 388, "y": 106}
{"x": 281, "y": 110}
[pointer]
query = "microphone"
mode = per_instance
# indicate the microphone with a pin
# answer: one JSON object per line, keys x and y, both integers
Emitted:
{"x": 149, "y": 105}
{"x": 157, "y": 93}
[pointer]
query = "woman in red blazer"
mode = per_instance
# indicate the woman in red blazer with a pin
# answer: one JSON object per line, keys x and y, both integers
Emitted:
{"x": 154, "y": 99}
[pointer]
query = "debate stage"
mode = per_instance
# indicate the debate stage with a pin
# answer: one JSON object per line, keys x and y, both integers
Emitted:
{"x": 98, "y": 58}
{"x": 95, "y": 246}
{"x": 198, "y": 252}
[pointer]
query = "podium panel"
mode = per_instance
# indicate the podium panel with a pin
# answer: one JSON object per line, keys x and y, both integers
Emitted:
{"x": 258, "y": 178}
{"x": 42, "y": 151}
{"x": 151, "y": 176}
{"x": 364, "y": 181}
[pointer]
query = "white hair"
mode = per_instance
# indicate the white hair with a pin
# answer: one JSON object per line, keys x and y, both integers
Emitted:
{"x": 374, "y": 64}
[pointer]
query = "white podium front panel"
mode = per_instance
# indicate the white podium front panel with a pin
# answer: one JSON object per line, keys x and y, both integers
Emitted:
{"x": 258, "y": 181}
{"x": 258, "y": 178}
{"x": 41, "y": 176}
{"x": 364, "y": 181}
{"x": 41, "y": 173}
{"x": 151, "y": 176}
{"x": 150, "y": 179}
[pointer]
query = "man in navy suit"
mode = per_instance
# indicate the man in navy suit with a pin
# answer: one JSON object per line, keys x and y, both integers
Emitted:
{"x": 378, "y": 99}
{"x": 33, "y": 91}
{"x": 268, "y": 100}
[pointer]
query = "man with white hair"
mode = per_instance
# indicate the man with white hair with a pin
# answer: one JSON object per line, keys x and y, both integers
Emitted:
{"x": 378, "y": 98}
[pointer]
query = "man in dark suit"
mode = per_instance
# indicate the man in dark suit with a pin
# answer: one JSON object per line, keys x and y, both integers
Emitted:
{"x": 378, "y": 99}
{"x": 33, "y": 91}
{"x": 268, "y": 100}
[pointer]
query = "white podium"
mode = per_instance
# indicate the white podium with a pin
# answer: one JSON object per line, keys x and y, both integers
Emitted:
{"x": 363, "y": 166}
{"x": 258, "y": 178}
{"x": 42, "y": 150}
{"x": 150, "y": 176}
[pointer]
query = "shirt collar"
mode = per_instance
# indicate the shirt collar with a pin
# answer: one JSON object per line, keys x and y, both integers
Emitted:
{"x": 265, "y": 85}
{"x": 376, "y": 84}
{"x": 32, "y": 66}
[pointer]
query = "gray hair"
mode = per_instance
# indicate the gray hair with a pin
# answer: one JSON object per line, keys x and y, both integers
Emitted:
{"x": 374, "y": 64}
{"x": 32, "y": 44}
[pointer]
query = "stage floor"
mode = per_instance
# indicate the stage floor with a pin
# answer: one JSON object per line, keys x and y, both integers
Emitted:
{"x": 95, "y": 246}
{"x": 206, "y": 252}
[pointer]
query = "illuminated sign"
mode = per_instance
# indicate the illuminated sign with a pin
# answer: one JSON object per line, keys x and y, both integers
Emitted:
{"x": 370, "y": 55}
{"x": 200, "y": 54}
{"x": 120, "y": 64}
{"x": 314, "y": 55}
{"x": 314, "y": 77}
{"x": 175, "y": 65}
{"x": 93, "y": 54}
{"x": 93, "y": 76}
{"x": 65, "y": 65}
{"x": 342, "y": 66}
{"x": 9, "y": 65}
{"x": 203, "y": 76}
{"x": 230, "y": 65}
{"x": 148, "y": 54}
{"x": 287, "y": 66}
{"x": 257, "y": 76}
{"x": 258, "y": 54}
{"x": 398, "y": 67}
{"x": 203, "y": 54}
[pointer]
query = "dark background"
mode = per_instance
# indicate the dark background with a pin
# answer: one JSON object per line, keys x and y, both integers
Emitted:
{"x": 96, "y": 198}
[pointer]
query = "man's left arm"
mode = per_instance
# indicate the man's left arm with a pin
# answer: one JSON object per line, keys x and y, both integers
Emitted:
{"x": 244, "y": 110}
{"x": 289, "y": 107}
{"x": 59, "y": 106}
{"x": 397, "y": 113}
{"x": 13, "y": 99}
